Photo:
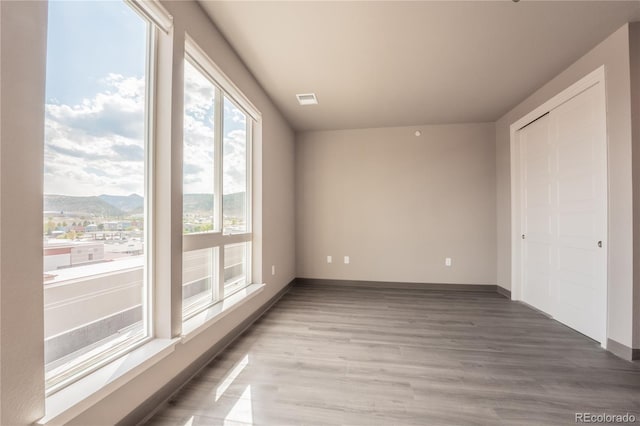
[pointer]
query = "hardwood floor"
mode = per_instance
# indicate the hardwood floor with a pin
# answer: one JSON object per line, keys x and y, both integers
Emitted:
{"x": 361, "y": 356}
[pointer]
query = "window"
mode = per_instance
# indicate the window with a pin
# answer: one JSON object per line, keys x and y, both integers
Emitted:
{"x": 96, "y": 185}
{"x": 216, "y": 185}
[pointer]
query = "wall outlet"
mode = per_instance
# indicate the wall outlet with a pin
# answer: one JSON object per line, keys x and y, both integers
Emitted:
{"x": 447, "y": 261}
{"x": 329, "y": 259}
{"x": 273, "y": 269}
{"x": 346, "y": 260}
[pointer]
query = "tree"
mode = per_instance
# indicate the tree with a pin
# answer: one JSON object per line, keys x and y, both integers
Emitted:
{"x": 50, "y": 227}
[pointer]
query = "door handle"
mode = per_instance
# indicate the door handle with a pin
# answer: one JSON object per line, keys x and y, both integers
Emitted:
{"x": 600, "y": 244}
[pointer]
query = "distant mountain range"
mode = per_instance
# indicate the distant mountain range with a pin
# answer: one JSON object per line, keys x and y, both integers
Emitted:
{"x": 128, "y": 205}
{"x": 84, "y": 206}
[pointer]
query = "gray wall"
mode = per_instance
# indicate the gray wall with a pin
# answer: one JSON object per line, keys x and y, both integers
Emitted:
{"x": 614, "y": 54}
{"x": 397, "y": 204}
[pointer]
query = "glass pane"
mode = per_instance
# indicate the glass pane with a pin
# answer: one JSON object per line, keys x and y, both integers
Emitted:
{"x": 198, "y": 279}
{"x": 198, "y": 158}
{"x": 235, "y": 267}
{"x": 94, "y": 180}
{"x": 234, "y": 180}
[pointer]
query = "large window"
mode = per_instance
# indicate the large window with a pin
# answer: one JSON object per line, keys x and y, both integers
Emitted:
{"x": 216, "y": 186}
{"x": 96, "y": 181}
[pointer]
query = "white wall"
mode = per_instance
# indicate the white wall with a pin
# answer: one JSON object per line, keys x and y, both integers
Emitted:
{"x": 614, "y": 54}
{"x": 23, "y": 31}
{"x": 397, "y": 204}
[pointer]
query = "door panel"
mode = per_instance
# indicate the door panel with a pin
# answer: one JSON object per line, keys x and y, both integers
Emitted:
{"x": 564, "y": 213}
{"x": 579, "y": 136}
{"x": 538, "y": 196}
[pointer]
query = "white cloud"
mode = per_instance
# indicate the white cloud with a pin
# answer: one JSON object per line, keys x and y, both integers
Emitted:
{"x": 235, "y": 165}
{"x": 199, "y": 138}
{"x": 198, "y": 135}
{"x": 97, "y": 146}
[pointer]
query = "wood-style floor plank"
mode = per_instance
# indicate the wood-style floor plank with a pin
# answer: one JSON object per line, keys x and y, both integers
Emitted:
{"x": 329, "y": 355}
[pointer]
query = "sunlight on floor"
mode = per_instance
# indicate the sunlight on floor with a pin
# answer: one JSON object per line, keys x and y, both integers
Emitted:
{"x": 242, "y": 410}
{"x": 231, "y": 376}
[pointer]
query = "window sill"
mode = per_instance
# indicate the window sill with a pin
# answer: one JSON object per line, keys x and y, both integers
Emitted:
{"x": 69, "y": 402}
{"x": 200, "y": 322}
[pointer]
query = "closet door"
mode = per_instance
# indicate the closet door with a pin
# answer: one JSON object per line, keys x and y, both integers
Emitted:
{"x": 539, "y": 240}
{"x": 578, "y": 137}
{"x": 564, "y": 205}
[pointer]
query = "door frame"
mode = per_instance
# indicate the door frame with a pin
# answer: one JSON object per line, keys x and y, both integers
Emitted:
{"x": 596, "y": 77}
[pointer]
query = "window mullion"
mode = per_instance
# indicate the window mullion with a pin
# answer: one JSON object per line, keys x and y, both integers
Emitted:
{"x": 217, "y": 158}
{"x": 220, "y": 271}
{"x": 219, "y": 198}
{"x": 249, "y": 192}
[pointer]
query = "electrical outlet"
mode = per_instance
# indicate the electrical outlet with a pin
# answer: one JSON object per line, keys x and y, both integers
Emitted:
{"x": 346, "y": 260}
{"x": 273, "y": 269}
{"x": 329, "y": 259}
{"x": 447, "y": 261}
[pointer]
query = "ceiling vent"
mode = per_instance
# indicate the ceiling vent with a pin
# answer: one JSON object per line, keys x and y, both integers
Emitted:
{"x": 307, "y": 99}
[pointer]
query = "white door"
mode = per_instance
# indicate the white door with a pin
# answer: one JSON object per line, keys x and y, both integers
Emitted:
{"x": 538, "y": 212}
{"x": 565, "y": 207}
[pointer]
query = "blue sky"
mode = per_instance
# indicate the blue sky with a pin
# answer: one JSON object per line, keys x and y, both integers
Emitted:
{"x": 95, "y": 107}
{"x": 87, "y": 40}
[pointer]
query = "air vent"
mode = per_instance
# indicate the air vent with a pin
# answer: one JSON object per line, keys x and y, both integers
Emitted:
{"x": 307, "y": 99}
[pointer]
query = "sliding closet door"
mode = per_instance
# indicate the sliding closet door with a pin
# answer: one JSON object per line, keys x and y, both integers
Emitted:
{"x": 578, "y": 135}
{"x": 539, "y": 238}
{"x": 564, "y": 206}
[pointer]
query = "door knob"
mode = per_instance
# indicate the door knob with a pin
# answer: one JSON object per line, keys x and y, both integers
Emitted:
{"x": 600, "y": 244}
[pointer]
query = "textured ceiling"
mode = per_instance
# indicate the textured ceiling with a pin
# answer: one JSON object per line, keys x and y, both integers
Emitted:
{"x": 391, "y": 63}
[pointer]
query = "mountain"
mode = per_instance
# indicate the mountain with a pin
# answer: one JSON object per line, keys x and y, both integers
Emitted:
{"x": 203, "y": 204}
{"x": 89, "y": 206}
{"x": 198, "y": 203}
{"x": 127, "y": 203}
{"x": 234, "y": 204}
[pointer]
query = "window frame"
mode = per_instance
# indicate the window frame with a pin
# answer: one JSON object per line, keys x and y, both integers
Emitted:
{"x": 112, "y": 351}
{"x": 225, "y": 89}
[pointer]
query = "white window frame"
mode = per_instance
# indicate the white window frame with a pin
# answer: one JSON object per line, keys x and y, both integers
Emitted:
{"x": 77, "y": 371}
{"x": 218, "y": 238}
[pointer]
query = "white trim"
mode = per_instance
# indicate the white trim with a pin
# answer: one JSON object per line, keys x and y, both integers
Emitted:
{"x": 153, "y": 11}
{"x": 248, "y": 205}
{"x": 197, "y": 55}
{"x": 596, "y": 77}
{"x": 148, "y": 278}
{"x": 205, "y": 319}
{"x": 77, "y": 397}
{"x": 218, "y": 217}
{"x": 205, "y": 240}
